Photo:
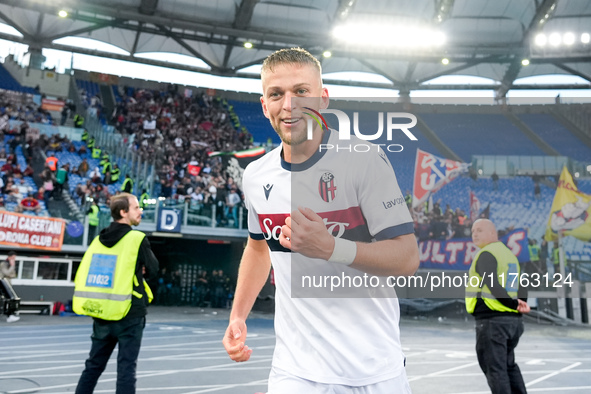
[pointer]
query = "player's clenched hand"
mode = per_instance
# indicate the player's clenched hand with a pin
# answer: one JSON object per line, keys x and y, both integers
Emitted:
{"x": 234, "y": 341}
{"x": 304, "y": 232}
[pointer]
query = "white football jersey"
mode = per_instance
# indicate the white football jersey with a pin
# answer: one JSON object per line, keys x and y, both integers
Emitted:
{"x": 349, "y": 335}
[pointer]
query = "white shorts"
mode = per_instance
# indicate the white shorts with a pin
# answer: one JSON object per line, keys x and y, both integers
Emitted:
{"x": 281, "y": 382}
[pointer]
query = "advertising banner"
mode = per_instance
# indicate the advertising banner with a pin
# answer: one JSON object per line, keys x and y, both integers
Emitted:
{"x": 31, "y": 232}
{"x": 457, "y": 254}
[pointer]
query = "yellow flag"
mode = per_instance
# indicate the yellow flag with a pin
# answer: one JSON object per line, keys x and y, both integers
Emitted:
{"x": 571, "y": 211}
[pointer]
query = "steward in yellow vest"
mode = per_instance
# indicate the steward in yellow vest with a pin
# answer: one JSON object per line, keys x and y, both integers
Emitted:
{"x": 110, "y": 287}
{"x": 93, "y": 217}
{"x": 492, "y": 298}
{"x": 96, "y": 153}
{"x": 91, "y": 142}
{"x": 107, "y": 167}
{"x": 127, "y": 185}
{"x": 115, "y": 172}
{"x": 534, "y": 251}
{"x": 84, "y": 135}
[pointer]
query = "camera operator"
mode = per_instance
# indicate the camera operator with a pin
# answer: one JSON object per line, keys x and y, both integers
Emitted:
{"x": 7, "y": 272}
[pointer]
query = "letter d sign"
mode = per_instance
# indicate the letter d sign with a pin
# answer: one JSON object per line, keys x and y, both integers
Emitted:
{"x": 170, "y": 220}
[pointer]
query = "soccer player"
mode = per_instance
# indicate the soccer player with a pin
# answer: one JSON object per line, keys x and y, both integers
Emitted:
{"x": 320, "y": 211}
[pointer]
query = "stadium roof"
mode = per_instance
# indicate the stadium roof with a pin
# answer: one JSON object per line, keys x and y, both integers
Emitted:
{"x": 485, "y": 38}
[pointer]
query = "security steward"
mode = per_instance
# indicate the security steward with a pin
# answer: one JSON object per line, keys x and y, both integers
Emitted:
{"x": 115, "y": 173}
{"x": 96, "y": 152}
{"x": 492, "y": 298}
{"x": 110, "y": 287}
{"x": 143, "y": 197}
{"x": 127, "y": 185}
{"x": 84, "y": 137}
{"x": 93, "y": 220}
{"x": 534, "y": 255}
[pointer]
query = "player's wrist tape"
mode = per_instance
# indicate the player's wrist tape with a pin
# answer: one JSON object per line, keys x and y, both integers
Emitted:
{"x": 344, "y": 251}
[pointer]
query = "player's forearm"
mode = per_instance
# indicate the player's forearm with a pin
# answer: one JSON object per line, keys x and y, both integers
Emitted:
{"x": 252, "y": 276}
{"x": 396, "y": 257}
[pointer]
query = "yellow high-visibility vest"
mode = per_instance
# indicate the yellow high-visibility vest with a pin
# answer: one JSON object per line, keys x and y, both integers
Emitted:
{"x": 106, "y": 276}
{"x": 508, "y": 274}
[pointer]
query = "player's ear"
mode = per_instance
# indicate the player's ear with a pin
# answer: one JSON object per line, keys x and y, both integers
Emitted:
{"x": 324, "y": 99}
{"x": 264, "y": 105}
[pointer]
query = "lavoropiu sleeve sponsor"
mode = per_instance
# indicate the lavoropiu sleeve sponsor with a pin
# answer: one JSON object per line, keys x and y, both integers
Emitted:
{"x": 381, "y": 199}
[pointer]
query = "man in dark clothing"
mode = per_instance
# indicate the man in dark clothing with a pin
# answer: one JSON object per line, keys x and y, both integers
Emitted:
{"x": 497, "y": 308}
{"x": 127, "y": 331}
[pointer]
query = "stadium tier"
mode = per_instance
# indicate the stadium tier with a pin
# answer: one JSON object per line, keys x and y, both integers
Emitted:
{"x": 7, "y": 82}
{"x": 557, "y": 136}
{"x": 251, "y": 116}
{"x": 480, "y": 134}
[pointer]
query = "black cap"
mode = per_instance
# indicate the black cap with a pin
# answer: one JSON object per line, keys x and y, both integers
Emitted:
{"x": 11, "y": 253}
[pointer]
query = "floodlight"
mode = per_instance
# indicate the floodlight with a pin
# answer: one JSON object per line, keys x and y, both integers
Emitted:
{"x": 63, "y": 13}
{"x": 445, "y": 61}
{"x": 541, "y": 39}
{"x": 386, "y": 35}
{"x": 555, "y": 39}
{"x": 568, "y": 38}
{"x": 525, "y": 62}
{"x": 585, "y": 38}
{"x": 248, "y": 45}
{"x": 327, "y": 54}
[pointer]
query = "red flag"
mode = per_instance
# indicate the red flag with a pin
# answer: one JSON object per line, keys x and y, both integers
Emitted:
{"x": 432, "y": 173}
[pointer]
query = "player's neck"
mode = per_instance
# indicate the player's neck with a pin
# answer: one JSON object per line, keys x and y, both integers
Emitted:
{"x": 300, "y": 153}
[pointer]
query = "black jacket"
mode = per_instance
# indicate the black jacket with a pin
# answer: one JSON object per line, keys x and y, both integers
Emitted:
{"x": 487, "y": 264}
{"x": 109, "y": 237}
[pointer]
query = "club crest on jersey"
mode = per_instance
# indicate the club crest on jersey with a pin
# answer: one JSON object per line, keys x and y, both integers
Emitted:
{"x": 327, "y": 187}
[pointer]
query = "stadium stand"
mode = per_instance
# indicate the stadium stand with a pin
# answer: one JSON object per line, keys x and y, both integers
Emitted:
{"x": 469, "y": 134}
{"x": 558, "y": 136}
{"x": 7, "y": 82}
{"x": 251, "y": 116}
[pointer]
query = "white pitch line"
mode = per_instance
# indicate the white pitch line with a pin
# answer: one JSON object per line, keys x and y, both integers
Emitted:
{"x": 216, "y": 387}
{"x": 560, "y": 389}
{"x": 146, "y": 335}
{"x": 574, "y": 365}
{"x": 159, "y": 373}
{"x": 412, "y": 379}
{"x": 230, "y": 386}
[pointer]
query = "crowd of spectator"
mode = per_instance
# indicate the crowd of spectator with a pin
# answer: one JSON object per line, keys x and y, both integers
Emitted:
{"x": 13, "y": 108}
{"x": 180, "y": 132}
{"x": 440, "y": 224}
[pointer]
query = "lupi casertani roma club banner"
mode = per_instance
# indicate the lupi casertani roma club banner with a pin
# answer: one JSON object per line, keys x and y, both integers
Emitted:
{"x": 32, "y": 232}
{"x": 457, "y": 254}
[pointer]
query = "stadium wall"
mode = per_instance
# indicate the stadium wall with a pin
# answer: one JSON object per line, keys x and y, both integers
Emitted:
{"x": 50, "y": 83}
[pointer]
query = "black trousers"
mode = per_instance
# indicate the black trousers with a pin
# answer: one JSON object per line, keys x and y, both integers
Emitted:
{"x": 496, "y": 340}
{"x": 128, "y": 334}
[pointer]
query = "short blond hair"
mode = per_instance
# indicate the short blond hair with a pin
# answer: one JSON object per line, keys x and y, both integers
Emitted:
{"x": 290, "y": 56}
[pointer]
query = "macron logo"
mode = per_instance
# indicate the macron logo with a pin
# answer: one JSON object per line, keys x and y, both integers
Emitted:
{"x": 267, "y": 189}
